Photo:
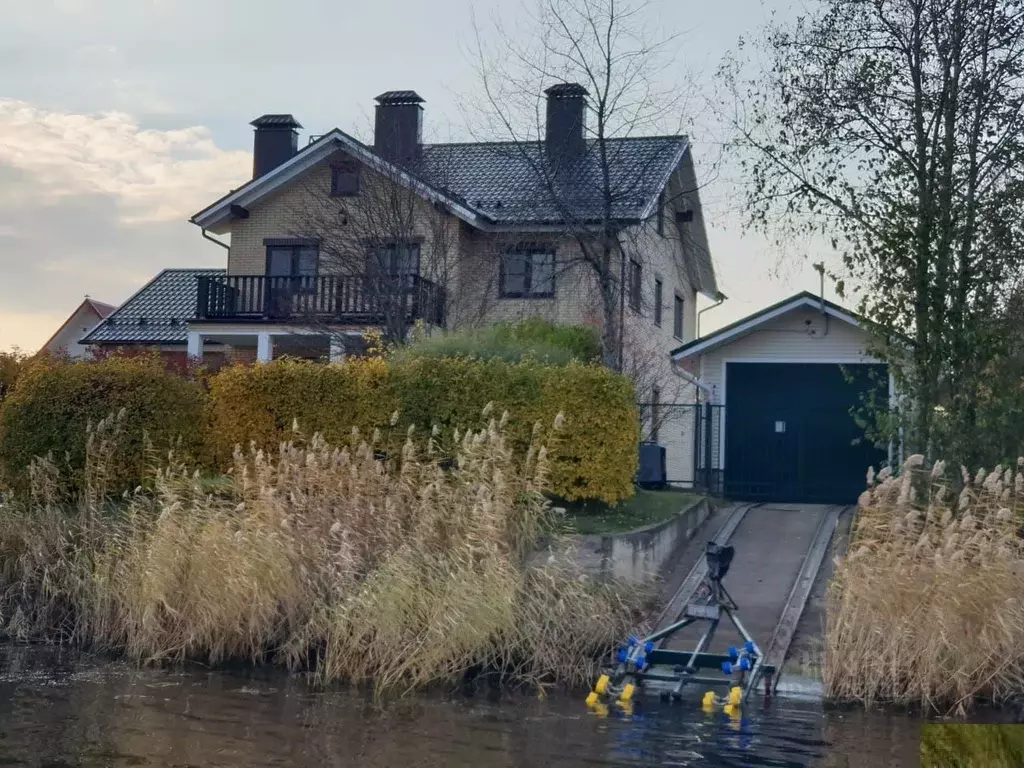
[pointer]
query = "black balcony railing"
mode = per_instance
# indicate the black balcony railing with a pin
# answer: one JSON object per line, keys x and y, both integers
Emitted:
{"x": 357, "y": 299}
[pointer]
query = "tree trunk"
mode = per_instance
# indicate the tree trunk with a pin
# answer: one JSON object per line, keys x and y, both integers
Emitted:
{"x": 609, "y": 322}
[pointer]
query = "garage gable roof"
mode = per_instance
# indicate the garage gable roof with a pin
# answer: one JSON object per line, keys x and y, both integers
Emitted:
{"x": 750, "y": 322}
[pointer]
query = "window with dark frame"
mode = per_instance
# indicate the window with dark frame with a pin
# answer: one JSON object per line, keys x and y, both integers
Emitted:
{"x": 394, "y": 259}
{"x": 299, "y": 259}
{"x": 661, "y": 213}
{"x": 527, "y": 273}
{"x": 657, "y": 302}
{"x": 655, "y": 413}
{"x": 635, "y": 287}
{"x": 677, "y": 318}
{"x": 294, "y": 260}
{"x": 345, "y": 180}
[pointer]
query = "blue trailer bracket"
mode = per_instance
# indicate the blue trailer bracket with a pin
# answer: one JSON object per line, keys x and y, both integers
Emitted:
{"x": 641, "y": 664}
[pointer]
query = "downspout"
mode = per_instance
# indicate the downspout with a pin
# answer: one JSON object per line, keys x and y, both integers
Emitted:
{"x": 213, "y": 239}
{"x": 719, "y": 299}
{"x": 622, "y": 306}
{"x": 690, "y": 378}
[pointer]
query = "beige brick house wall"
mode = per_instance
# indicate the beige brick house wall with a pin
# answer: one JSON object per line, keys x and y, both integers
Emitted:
{"x": 663, "y": 257}
{"x": 305, "y": 208}
{"x": 477, "y": 285}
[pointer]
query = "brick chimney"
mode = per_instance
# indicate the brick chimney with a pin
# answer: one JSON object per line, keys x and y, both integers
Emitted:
{"x": 566, "y": 119}
{"x": 398, "y": 126}
{"x": 276, "y": 140}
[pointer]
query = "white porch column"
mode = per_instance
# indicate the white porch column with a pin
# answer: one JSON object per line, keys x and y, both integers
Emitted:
{"x": 337, "y": 354}
{"x": 264, "y": 348}
{"x": 195, "y": 345}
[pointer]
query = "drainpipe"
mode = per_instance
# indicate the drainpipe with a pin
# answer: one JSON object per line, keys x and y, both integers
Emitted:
{"x": 213, "y": 239}
{"x": 719, "y": 298}
{"x": 682, "y": 373}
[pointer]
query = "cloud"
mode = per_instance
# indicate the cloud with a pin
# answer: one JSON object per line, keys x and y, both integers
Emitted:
{"x": 93, "y": 203}
{"x": 151, "y": 175}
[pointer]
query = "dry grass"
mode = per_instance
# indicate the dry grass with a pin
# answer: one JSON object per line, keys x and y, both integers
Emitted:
{"x": 928, "y": 607}
{"x": 401, "y": 572}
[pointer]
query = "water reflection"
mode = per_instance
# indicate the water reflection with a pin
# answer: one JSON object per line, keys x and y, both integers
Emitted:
{"x": 62, "y": 709}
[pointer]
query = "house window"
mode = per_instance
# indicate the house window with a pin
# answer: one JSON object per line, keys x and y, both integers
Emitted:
{"x": 345, "y": 180}
{"x": 655, "y": 413}
{"x": 677, "y": 319}
{"x": 292, "y": 258}
{"x": 527, "y": 273}
{"x": 291, "y": 272}
{"x": 657, "y": 302}
{"x": 661, "y": 213}
{"x": 394, "y": 259}
{"x": 635, "y": 292}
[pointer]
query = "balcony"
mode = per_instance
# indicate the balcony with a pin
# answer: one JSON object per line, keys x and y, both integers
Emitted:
{"x": 350, "y": 299}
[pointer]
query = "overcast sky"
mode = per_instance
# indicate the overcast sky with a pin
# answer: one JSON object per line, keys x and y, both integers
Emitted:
{"x": 121, "y": 118}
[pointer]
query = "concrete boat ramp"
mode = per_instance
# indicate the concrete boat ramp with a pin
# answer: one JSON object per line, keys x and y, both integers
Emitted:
{"x": 777, "y": 579}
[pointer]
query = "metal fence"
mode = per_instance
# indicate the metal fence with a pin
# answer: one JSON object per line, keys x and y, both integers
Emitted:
{"x": 691, "y": 435}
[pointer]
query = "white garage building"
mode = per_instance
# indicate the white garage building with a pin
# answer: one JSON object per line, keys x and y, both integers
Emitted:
{"x": 787, "y": 386}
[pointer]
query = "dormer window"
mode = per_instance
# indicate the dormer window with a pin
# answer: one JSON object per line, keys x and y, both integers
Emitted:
{"x": 345, "y": 180}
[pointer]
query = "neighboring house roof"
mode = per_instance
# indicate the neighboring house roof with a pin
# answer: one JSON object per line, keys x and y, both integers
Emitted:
{"x": 158, "y": 313}
{"x": 98, "y": 308}
{"x": 749, "y": 323}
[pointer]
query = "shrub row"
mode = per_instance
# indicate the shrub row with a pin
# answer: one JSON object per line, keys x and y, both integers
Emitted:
{"x": 595, "y": 453}
{"x": 54, "y": 403}
{"x": 531, "y": 339}
{"x": 594, "y": 456}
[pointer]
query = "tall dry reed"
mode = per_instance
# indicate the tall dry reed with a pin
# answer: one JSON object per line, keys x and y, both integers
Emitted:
{"x": 381, "y": 561}
{"x": 927, "y": 608}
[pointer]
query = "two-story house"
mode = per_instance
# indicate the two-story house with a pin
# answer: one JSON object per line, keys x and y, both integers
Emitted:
{"x": 333, "y": 238}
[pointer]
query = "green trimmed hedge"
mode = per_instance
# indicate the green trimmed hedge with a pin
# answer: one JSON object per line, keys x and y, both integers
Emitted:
{"x": 593, "y": 456}
{"x": 54, "y": 401}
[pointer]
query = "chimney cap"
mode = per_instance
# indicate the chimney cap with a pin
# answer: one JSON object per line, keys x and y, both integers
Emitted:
{"x": 566, "y": 91}
{"x": 399, "y": 97}
{"x": 275, "y": 121}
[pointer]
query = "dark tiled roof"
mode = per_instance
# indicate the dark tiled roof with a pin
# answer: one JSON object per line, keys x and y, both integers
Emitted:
{"x": 157, "y": 314}
{"x": 511, "y": 183}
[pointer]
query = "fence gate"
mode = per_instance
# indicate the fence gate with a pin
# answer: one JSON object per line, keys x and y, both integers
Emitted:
{"x": 691, "y": 435}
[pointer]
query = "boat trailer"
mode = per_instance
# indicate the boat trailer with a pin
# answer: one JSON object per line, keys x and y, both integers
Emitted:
{"x": 644, "y": 665}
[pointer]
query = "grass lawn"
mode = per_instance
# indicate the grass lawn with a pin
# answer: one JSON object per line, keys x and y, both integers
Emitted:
{"x": 645, "y": 508}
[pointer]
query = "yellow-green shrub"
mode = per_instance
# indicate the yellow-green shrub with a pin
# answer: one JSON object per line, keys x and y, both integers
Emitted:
{"x": 594, "y": 456}
{"x": 48, "y": 412}
{"x": 260, "y": 403}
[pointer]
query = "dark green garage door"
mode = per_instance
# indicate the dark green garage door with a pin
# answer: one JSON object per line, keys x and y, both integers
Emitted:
{"x": 790, "y": 435}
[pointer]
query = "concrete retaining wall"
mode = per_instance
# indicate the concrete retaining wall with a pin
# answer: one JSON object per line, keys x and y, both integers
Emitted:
{"x": 638, "y": 556}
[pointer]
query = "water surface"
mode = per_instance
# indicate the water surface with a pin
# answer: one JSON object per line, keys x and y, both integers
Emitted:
{"x": 59, "y": 708}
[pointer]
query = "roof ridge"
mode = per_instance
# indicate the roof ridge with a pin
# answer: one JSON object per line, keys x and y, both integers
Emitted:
{"x": 513, "y": 142}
